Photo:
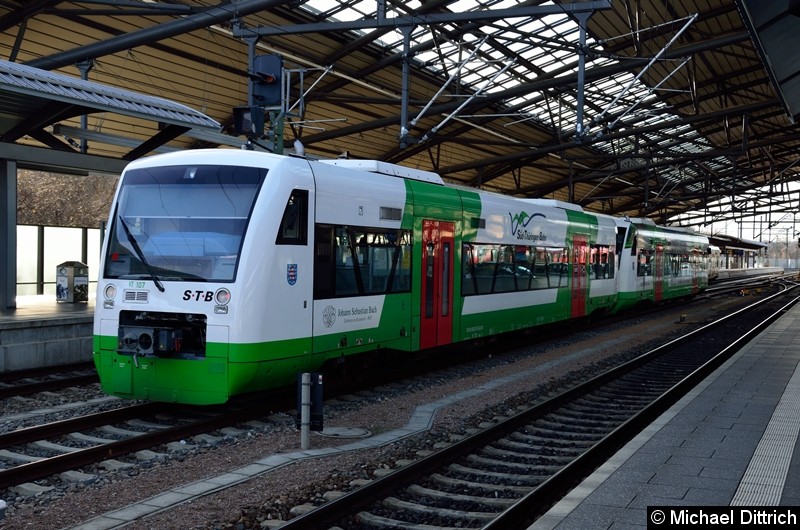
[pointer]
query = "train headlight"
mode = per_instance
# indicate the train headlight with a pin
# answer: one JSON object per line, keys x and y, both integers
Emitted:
{"x": 222, "y": 297}
{"x": 109, "y": 293}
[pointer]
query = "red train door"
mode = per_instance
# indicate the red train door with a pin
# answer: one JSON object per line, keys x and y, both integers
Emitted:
{"x": 658, "y": 279}
{"x": 436, "y": 309}
{"x": 580, "y": 251}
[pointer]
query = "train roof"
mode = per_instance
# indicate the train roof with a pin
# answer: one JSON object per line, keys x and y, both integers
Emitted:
{"x": 386, "y": 168}
{"x": 553, "y": 203}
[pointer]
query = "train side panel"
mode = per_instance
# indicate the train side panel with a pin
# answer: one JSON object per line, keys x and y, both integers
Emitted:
{"x": 535, "y": 262}
{"x": 363, "y": 263}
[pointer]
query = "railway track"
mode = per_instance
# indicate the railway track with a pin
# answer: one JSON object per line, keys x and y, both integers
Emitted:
{"x": 505, "y": 476}
{"x": 26, "y": 382}
{"x": 37, "y": 452}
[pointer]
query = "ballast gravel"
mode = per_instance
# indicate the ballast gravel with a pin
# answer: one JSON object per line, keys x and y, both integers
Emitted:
{"x": 281, "y": 494}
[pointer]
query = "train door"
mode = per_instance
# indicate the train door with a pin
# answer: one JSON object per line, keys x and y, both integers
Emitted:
{"x": 436, "y": 319}
{"x": 580, "y": 251}
{"x": 658, "y": 279}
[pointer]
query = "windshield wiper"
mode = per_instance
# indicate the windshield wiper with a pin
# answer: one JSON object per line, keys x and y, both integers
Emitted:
{"x": 140, "y": 254}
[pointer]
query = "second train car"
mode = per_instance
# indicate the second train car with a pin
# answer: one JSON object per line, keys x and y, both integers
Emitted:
{"x": 227, "y": 271}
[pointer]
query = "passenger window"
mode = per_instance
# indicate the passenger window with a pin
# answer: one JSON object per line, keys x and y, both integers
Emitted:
{"x": 491, "y": 268}
{"x": 356, "y": 261}
{"x": 602, "y": 262}
{"x": 293, "y": 229}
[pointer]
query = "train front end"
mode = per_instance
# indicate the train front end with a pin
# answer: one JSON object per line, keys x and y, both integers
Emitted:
{"x": 168, "y": 276}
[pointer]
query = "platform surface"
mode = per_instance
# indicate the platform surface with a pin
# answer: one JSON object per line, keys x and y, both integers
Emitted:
{"x": 46, "y": 307}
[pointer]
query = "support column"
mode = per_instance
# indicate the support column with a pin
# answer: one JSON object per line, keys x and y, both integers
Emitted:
{"x": 8, "y": 234}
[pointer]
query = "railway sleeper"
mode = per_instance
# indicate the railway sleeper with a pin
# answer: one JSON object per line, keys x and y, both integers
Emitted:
{"x": 595, "y": 402}
{"x": 376, "y": 521}
{"x": 627, "y": 398}
{"x": 79, "y": 436}
{"x": 532, "y": 469}
{"x": 493, "y": 477}
{"x": 142, "y": 424}
{"x": 580, "y": 411}
{"x": 584, "y": 421}
{"x": 550, "y": 439}
{"x": 500, "y": 503}
{"x": 54, "y": 447}
{"x": 534, "y": 459}
{"x": 647, "y": 384}
{"x": 457, "y": 484}
{"x": 552, "y": 429}
{"x": 421, "y": 510}
{"x": 18, "y": 457}
{"x": 116, "y": 431}
{"x": 579, "y": 407}
{"x": 547, "y": 450}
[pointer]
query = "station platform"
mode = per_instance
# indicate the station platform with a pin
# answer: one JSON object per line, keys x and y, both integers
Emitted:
{"x": 44, "y": 332}
{"x": 729, "y": 443}
{"x": 730, "y": 274}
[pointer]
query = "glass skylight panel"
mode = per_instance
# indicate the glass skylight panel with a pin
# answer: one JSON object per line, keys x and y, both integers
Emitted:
{"x": 549, "y": 43}
{"x": 348, "y": 15}
{"x": 322, "y": 7}
{"x": 529, "y": 27}
{"x": 505, "y": 4}
{"x": 464, "y": 6}
{"x": 397, "y": 6}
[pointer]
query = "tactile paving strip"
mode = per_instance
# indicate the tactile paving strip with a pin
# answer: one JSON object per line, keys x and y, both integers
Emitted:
{"x": 764, "y": 479}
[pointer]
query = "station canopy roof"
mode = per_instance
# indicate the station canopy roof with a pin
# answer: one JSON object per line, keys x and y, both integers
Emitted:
{"x": 658, "y": 109}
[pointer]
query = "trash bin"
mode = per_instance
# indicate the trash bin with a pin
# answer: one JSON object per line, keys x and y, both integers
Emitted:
{"x": 72, "y": 282}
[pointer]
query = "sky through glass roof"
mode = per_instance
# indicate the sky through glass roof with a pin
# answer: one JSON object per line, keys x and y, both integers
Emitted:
{"x": 500, "y": 55}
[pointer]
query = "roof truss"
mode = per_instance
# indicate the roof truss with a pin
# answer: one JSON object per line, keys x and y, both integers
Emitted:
{"x": 672, "y": 110}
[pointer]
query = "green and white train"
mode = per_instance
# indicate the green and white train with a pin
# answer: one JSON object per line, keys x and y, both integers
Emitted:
{"x": 231, "y": 271}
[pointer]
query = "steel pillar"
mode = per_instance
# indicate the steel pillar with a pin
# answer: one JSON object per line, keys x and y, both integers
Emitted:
{"x": 8, "y": 234}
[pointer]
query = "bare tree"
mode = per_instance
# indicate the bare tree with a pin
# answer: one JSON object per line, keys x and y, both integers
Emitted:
{"x": 53, "y": 199}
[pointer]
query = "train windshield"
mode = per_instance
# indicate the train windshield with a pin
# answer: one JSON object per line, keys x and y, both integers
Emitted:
{"x": 178, "y": 223}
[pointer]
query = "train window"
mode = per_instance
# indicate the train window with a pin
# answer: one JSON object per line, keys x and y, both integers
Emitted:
{"x": 644, "y": 264}
{"x": 557, "y": 266}
{"x": 488, "y": 268}
{"x": 602, "y": 262}
{"x": 186, "y": 223}
{"x": 445, "y": 279}
{"x": 293, "y": 230}
{"x": 356, "y": 261}
{"x": 323, "y": 262}
{"x": 621, "y": 232}
{"x": 469, "y": 280}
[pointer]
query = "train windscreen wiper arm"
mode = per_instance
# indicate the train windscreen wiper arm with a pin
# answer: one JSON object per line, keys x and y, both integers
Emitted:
{"x": 140, "y": 254}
